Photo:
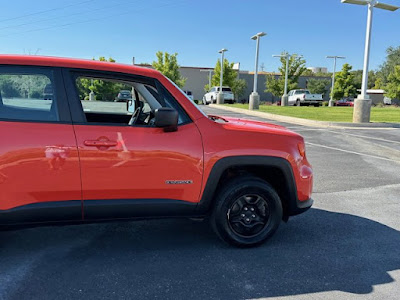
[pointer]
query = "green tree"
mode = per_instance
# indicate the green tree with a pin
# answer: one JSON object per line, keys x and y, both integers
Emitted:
{"x": 104, "y": 90}
{"x": 230, "y": 79}
{"x": 102, "y": 58}
{"x": 8, "y": 87}
{"x": 167, "y": 64}
{"x": 378, "y": 83}
{"x": 297, "y": 68}
{"x": 230, "y": 75}
{"x": 318, "y": 86}
{"x": 238, "y": 87}
{"x": 358, "y": 78}
{"x": 309, "y": 73}
{"x": 388, "y": 67}
{"x": 393, "y": 86}
{"x": 344, "y": 83}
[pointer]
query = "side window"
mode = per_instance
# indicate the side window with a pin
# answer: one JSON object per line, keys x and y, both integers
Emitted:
{"x": 27, "y": 95}
{"x": 121, "y": 102}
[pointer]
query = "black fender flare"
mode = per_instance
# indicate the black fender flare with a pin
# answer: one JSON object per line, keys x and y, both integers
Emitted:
{"x": 294, "y": 206}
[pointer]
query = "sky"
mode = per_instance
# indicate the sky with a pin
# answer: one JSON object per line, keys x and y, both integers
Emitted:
{"x": 197, "y": 30}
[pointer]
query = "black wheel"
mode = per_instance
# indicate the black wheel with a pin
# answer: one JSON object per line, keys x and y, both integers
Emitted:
{"x": 298, "y": 102}
{"x": 205, "y": 101}
{"x": 316, "y": 105}
{"x": 247, "y": 212}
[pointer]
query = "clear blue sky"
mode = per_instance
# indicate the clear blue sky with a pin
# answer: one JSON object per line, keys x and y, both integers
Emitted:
{"x": 196, "y": 30}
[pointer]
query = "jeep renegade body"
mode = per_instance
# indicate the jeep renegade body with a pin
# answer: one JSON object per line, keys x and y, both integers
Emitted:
{"x": 70, "y": 160}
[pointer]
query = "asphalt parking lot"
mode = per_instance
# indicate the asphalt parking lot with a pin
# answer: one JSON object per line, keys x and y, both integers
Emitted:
{"x": 346, "y": 247}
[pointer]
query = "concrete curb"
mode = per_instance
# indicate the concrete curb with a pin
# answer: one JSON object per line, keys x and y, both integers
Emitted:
{"x": 304, "y": 122}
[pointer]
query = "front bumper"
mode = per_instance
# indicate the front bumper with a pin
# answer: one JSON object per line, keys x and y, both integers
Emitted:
{"x": 301, "y": 206}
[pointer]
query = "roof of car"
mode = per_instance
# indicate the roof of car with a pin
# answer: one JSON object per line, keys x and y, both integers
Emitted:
{"x": 49, "y": 61}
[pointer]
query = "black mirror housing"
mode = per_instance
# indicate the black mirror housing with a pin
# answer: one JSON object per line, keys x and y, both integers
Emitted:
{"x": 167, "y": 118}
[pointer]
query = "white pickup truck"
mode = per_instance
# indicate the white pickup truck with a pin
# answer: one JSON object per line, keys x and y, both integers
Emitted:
{"x": 211, "y": 96}
{"x": 304, "y": 97}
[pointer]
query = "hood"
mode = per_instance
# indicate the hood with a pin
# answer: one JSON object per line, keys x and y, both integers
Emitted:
{"x": 250, "y": 125}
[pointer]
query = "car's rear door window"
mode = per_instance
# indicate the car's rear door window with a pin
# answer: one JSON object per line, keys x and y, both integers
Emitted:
{"x": 28, "y": 94}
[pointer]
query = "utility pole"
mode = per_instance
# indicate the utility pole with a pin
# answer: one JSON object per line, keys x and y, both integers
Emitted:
{"x": 254, "y": 100}
{"x": 220, "y": 95}
{"x": 333, "y": 76}
{"x": 362, "y": 105}
{"x": 287, "y": 56}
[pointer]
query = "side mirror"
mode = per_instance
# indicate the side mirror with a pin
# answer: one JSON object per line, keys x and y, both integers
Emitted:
{"x": 167, "y": 118}
{"x": 130, "y": 106}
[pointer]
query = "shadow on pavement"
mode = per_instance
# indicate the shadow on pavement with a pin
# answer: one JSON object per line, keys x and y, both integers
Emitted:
{"x": 181, "y": 259}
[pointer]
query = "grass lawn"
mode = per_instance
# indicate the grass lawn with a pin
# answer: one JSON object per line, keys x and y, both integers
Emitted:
{"x": 333, "y": 114}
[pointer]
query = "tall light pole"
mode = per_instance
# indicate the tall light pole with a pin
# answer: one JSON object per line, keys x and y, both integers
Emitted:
{"x": 254, "y": 100}
{"x": 362, "y": 105}
{"x": 333, "y": 76}
{"x": 287, "y": 56}
{"x": 220, "y": 95}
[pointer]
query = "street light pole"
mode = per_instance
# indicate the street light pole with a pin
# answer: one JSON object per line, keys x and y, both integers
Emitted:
{"x": 287, "y": 56}
{"x": 362, "y": 105}
{"x": 254, "y": 100}
{"x": 286, "y": 74}
{"x": 220, "y": 95}
{"x": 364, "y": 85}
{"x": 333, "y": 76}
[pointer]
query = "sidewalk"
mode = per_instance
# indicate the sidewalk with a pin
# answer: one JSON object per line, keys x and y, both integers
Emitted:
{"x": 304, "y": 122}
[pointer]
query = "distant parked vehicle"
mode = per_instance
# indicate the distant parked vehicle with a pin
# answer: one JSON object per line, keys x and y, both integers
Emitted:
{"x": 345, "y": 102}
{"x": 387, "y": 101}
{"x": 211, "y": 96}
{"x": 123, "y": 96}
{"x": 304, "y": 97}
{"x": 189, "y": 94}
{"x": 48, "y": 92}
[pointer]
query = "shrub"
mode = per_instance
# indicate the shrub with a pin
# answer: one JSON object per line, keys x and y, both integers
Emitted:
{"x": 380, "y": 104}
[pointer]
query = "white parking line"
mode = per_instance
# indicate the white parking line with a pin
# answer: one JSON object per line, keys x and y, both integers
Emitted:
{"x": 365, "y": 137}
{"x": 352, "y": 152}
{"x": 305, "y": 129}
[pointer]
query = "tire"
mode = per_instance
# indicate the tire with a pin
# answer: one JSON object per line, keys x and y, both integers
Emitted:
{"x": 205, "y": 101}
{"x": 250, "y": 224}
{"x": 316, "y": 105}
{"x": 212, "y": 100}
{"x": 298, "y": 102}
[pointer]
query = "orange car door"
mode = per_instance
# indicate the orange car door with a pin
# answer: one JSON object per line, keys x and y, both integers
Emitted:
{"x": 133, "y": 170}
{"x": 39, "y": 166}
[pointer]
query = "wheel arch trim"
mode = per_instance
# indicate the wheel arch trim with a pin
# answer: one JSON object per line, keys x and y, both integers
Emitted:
{"x": 208, "y": 195}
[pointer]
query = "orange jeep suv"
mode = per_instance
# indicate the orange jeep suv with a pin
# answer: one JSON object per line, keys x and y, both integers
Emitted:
{"x": 81, "y": 157}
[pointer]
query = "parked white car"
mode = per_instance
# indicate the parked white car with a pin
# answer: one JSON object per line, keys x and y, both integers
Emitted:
{"x": 211, "y": 96}
{"x": 304, "y": 97}
{"x": 387, "y": 101}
